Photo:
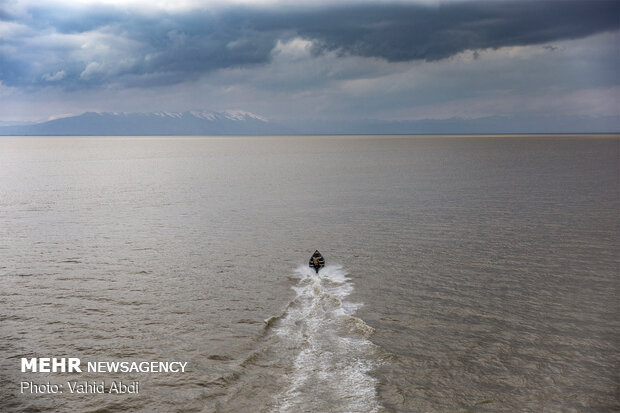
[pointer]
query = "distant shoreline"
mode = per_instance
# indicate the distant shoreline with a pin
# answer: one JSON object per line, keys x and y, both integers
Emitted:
{"x": 609, "y": 135}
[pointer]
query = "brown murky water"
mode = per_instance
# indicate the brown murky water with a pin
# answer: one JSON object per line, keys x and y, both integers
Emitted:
{"x": 464, "y": 273}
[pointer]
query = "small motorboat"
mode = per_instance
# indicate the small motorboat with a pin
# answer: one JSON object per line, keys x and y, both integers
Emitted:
{"x": 317, "y": 261}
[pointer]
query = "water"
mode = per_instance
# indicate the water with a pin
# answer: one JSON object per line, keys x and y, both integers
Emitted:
{"x": 464, "y": 273}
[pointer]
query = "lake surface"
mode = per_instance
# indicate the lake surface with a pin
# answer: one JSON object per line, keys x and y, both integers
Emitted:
{"x": 464, "y": 273}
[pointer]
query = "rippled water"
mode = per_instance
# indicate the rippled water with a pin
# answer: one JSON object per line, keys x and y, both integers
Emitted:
{"x": 464, "y": 273}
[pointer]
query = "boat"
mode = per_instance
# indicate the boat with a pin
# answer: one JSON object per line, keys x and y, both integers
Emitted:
{"x": 317, "y": 261}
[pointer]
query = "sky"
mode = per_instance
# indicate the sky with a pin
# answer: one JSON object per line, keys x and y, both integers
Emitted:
{"x": 322, "y": 60}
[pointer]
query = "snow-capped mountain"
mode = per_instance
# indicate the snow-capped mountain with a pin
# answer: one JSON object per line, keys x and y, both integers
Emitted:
{"x": 237, "y": 122}
{"x": 232, "y": 122}
{"x": 235, "y": 115}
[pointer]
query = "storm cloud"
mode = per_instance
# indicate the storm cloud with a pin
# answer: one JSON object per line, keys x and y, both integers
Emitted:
{"x": 86, "y": 46}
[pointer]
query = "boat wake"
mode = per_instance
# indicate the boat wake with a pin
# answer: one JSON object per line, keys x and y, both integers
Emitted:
{"x": 315, "y": 356}
{"x": 334, "y": 355}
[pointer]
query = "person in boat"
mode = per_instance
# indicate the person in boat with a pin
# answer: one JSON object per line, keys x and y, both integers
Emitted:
{"x": 317, "y": 261}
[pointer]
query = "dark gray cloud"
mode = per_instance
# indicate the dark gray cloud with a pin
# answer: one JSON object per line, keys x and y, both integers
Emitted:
{"x": 83, "y": 46}
{"x": 401, "y": 32}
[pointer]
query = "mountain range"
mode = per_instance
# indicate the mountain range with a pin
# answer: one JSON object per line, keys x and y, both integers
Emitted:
{"x": 156, "y": 123}
{"x": 239, "y": 122}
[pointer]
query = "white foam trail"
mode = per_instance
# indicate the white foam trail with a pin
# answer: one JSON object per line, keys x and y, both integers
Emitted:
{"x": 330, "y": 372}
